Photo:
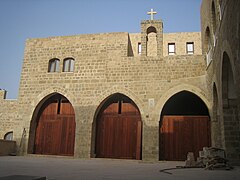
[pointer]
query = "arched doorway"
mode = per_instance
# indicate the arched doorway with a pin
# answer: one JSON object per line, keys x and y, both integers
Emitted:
{"x": 118, "y": 129}
{"x": 184, "y": 127}
{"x": 55, "y": 127}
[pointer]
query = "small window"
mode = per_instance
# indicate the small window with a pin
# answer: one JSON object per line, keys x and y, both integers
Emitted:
{"x": 190, "y": 47}
{"x": 53, "y": 65}
{"x": 171, "y": 48}
{"x": 68, "y": 65}
{"x": 8, "y": 136}
{"x": 139, "y": 48}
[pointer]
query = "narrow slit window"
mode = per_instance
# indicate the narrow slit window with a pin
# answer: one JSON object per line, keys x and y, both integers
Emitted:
{"x": 139, "y": 48}
{"x": 171, "y": 49}
{"x": 190, "y": 47}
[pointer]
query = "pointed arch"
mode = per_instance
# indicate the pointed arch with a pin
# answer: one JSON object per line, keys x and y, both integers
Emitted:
{"x": 52, "y": 128}
{"x": 118, "y": 128}
{"x": 182, "y": 87}
{"x": 230, "y": 105}
{"x": 184, "y": 118}
{"x": 228, "y": 81}
{"x": 122, "y": 90}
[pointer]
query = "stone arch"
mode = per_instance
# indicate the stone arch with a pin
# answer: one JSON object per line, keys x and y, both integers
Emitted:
{"x": 230, "y": 105}
{"x": 183, "y": 87}
{"x": 49, "y": 91}
{"x": 228, "y": 81}
{"x": 37, "y": 111}
{"x": 193, "y": 108}
{"x": 184, "y": 117}
{"x": 227, "y": 50}
{"x": 122, "y": 90}
{"x": 117, "y": 118}
{"x": 107, "y": 93}
{"x": 151, "y": 29}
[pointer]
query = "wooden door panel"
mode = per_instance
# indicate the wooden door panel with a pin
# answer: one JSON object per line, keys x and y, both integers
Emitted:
{"x": 117, "y": 134}
{"x": 55, "y": 133}
{"x": 50, "y": 109}
{"x": 128, "y": 108}
{"x": 183, "y": 134}
{"x": 66, "y": 108}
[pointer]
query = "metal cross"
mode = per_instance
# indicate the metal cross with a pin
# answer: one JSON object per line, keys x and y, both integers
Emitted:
{"x": 152, "y": 13}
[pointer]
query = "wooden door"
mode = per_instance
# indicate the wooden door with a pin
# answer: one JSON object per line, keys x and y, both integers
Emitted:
{"x": 182, "y": 134}
{"x": 119, "y": 132}
{"x": 55, "y": 133}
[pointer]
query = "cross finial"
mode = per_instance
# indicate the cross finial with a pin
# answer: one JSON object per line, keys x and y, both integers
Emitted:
{"x": 152, "y": 13}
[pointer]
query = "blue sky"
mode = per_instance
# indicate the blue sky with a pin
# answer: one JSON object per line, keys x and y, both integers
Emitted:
{"x": 23, "y": 19}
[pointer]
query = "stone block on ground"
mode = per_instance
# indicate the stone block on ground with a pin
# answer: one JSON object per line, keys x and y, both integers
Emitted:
{"x": 22, "y": 177}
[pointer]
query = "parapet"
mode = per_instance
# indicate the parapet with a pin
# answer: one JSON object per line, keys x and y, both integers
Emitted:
{"x": 3, "y": 94}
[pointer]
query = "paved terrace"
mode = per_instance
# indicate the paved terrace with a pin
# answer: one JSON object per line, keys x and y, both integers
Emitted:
{"x": 61, "y": 168}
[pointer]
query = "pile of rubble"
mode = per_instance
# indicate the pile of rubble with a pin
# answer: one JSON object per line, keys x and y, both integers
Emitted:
{"x": 210, "y": 158}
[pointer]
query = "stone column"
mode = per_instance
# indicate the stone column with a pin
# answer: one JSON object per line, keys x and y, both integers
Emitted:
{"x": 150, "y": 140}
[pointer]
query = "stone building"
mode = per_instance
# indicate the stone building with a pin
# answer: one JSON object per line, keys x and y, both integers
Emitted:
{"x": 149, "y": 95}
{"x": 220, "y": 29}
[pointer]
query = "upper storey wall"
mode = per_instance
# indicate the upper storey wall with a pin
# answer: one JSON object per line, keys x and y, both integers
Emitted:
{"x": 180, "y": 39}
{"x": 101, "y": 58}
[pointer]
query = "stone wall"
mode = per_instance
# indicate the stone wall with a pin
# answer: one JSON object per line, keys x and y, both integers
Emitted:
{"x": 7, "y": 147}
{"x": 180, "y": 39}
{"x": 8, "y": 114}
{"x": 104, "y": 64}
{"x": 224, "y": 39}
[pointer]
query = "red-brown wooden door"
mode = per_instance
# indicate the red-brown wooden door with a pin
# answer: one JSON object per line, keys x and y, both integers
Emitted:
{"x": 55, "y": 133}
{"x": 119, "y": 133}
{"x": 182, "y": 134}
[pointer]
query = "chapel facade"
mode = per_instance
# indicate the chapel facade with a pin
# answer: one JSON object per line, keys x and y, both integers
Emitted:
{"x": 144, "y": 96}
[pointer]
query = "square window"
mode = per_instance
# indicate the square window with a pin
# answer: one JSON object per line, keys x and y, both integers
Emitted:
{"x": 190, "y": 47}
{"x": 171, "y": 48}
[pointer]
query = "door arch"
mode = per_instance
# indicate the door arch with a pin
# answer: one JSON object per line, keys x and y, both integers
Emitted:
{"x": 118, "y": 129}
{"x": 184, "y": 127}
{"x": 54, "y": 120}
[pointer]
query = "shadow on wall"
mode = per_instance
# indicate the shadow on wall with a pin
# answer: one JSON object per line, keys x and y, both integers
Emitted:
{"x": 182, "y": 134}
{"x": 7, "y": 147}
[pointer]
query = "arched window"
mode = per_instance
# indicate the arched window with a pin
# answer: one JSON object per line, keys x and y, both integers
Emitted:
{"x": 53, "y": 65}
{"x": 8, "y": 136}
{"x": 208, "y": 46}
{"x": 68, "y": 65}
